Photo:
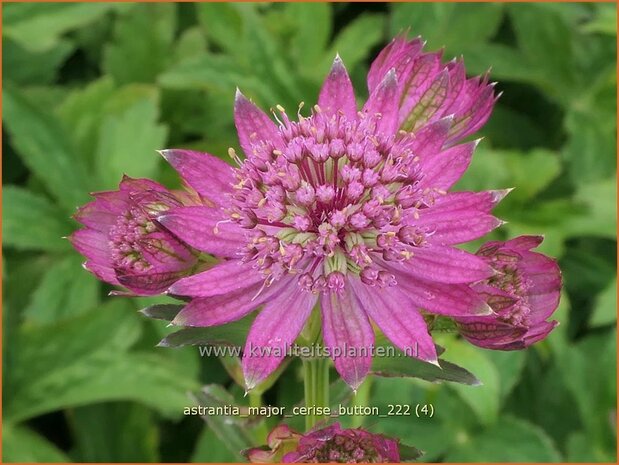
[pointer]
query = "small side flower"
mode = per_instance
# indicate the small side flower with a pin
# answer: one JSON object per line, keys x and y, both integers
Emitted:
{"x": 524, "y": 293}
{"x": 125, "y": 246}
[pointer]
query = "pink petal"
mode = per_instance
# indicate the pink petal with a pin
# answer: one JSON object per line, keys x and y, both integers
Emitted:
{"x": 441, "y": 298}
{"x": 397, "y": 55}
{"x": 450, "y": 226}
{"x": 397, "y": 318}
{"x": 222, "y": 309}
{"x": 253, "y": 125}
{"x": 275, "y": 329}
{"x": 129, "y": 184}
{"x": 477, "y": 101}
{"x": 207, "y": 175}
{"x": 223, "y": 278}
{"x": 416, "y": 80}
{"x": 96, "y": 215}
{"x": 429, "y": 140}
{"x": 346, "y": 329}
{"x": 383, "y": 104}
{"x": 206, "y": 229}
{"x": 445, "y": 265}
{"x": 337, "y": 93}
{"x": 151, "y": 283}
{"x": 483, "y": 201}
{"x": 446, "y": 168}
{"x": 94, "y": 245}
{"x": 427, "y": 106}
{"x": 524, "y": 242}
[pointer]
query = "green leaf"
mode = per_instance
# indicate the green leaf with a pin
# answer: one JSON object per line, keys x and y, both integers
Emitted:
{"x": 484, "y": 400}
{"x": 591, "y": 123}
{"x": 220, "y": 22}
{"x": 65, "y": 291}
{"x": 129, "y": 137}
{"x": 510, "y": 440}
{"x": 45, "y": 149}
{"x": 403, "y": 366}
{"x": 605, "y": 311}
{"x": 312, "y": 24}
{"x": 86, "y": 360}
{"x": 604, "y": 22}
{"x": 99, "y": 439}
{"x": 210, "y": 449}
{"x": 545, "y": 39}
{"x": 81, "y": 115}
{"x": 230, "y": 430}
{"x": 451, "y": 25}
{"x": 409, "y": 453}
{"x": 232, "y": 334}
{"x": 217, "y": 72}
{"x": 165, "y": 312}
{"x": 353, "y": 43}
{"x": 141, "y": 47}
{"x": 22, "y": 445}
{"x": 25, "y": 67}
{"x": 589, "y": 373}
{"x": 31, "y": 222}
{"x": 38, "y": 26}
{"x": 597, "y": 208}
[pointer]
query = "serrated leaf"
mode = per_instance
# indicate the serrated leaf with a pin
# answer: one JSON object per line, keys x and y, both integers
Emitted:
{"x": 353, "y": 43}
{"x": 451, "y": 25}
{"x": 65, "y": 291}
{"x": 81, "y": 115}
{"x": 230, "y": 334}
{"x": 45, "y": 149}
{"x": 128, "y": 141}
{"x": 141, "y": 47}
{"x": 32, "y": 222}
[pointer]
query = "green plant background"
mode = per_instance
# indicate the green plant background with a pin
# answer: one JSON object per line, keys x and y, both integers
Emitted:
{"x": 91, "y": 90}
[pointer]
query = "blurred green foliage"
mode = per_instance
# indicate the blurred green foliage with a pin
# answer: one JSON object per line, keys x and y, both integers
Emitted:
{"x": 91, "y": 90}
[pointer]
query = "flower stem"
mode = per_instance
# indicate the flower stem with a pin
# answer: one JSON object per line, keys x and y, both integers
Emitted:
{"x": 316, "y": 380}
{"x": 261, "y": 431}
{"x": 362, "y": 399}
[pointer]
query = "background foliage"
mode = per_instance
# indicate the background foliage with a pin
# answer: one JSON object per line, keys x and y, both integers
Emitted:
{"x": 91, "y": 90}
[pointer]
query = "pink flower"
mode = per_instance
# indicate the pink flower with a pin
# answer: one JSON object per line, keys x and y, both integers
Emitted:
{"x": 329, "y": 444}
{"x": 349, "y": 208}
{"x": 125, "y": 246}
{"x": 524, "y": 293}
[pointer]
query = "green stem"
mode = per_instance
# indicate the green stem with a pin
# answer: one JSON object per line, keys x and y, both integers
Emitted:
{"x": 362, "y": 399}
{"x": 316, "y": 381}
{"x": 261, "y": 431}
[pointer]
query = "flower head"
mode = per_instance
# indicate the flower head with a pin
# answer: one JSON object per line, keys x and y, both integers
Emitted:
{"x": 329, "y": 444}
{"x": 125, "y": 246}
{"x": 348, "y": 207}
{"x": 524, "y": 293}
